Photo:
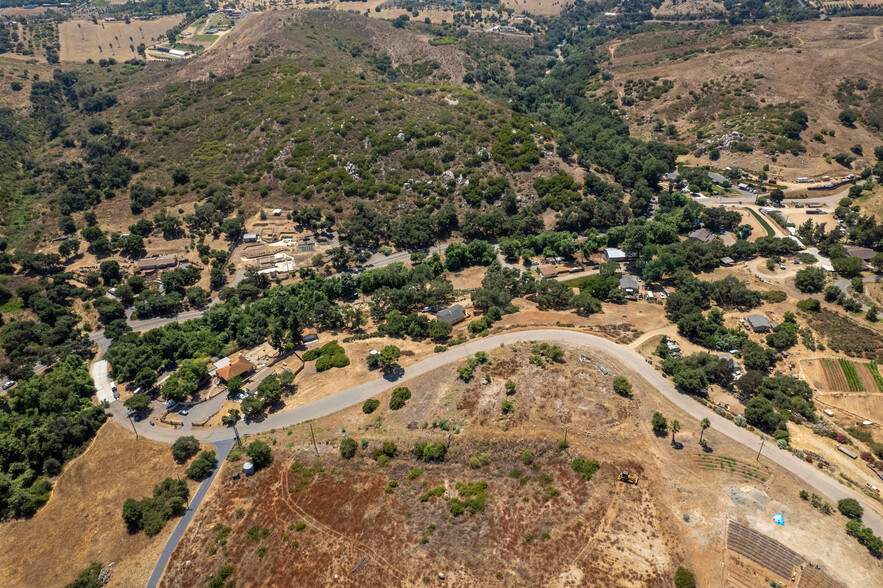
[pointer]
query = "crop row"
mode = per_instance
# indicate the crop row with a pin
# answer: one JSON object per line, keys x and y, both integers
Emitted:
{"x": 852, "y": 377}
{"x": 875, "y": 372}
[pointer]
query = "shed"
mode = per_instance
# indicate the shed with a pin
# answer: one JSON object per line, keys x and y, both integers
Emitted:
{"x": 727, "y": 261}
{"x": 758, "y": 323}
{"x": 250, "y": 238}
{"x": 310, "y": 335}
{"x": 452, "y": 315}
{"x": 277, "y": 211}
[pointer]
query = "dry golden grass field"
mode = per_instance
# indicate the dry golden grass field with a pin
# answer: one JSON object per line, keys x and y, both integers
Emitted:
{"x": 80, "y": 40}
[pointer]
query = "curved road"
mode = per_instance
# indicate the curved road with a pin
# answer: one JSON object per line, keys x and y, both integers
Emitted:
{"x": 358, "y": 394}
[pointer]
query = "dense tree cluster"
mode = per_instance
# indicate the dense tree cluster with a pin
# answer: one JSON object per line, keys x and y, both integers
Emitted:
{"x": 45, "y": 421}
{"x": 151, "y": 513}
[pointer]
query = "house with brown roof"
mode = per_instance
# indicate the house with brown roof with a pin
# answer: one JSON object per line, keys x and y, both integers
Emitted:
{"x": 702, "y": 235}
{"x": 233, "y": 367}
{"x": 863, "y": 253}
{"x": 548, "y": 270}
{"x": 149, "y": 264}
{"x": 310, "y": 335}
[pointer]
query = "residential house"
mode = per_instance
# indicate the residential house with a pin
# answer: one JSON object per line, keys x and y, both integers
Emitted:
{"x": 452, "y": 315}
{"x": 702, "y": 235}
{"x": 230, "y": 368}
{"x": 149, "y": 264}
{"x": 628, "y": 283}
{"x": 548, "y": 270}
{"x": 759, "y": 323}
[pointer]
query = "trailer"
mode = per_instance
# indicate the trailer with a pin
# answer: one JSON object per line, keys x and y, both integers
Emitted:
{"x": 851, "y": 454}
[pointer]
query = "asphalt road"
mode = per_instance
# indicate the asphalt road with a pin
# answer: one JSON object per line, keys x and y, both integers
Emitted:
{"x": 845, "y": 283}
{"x": 814, "y": 479}
{"x": 222, "y": 448}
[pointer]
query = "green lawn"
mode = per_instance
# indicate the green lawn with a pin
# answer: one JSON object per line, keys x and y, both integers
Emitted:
{"x": 769, "y": 230}
{"x": 205, "y": 38}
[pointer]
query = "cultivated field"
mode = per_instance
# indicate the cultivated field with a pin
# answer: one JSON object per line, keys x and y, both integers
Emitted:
{"x": 535, "y": 521}
{"x": 80, "y": 40}
{"x": 82, "y": 521}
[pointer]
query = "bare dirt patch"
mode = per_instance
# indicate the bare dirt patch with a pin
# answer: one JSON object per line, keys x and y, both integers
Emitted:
{"x": 82, "y": 521}
{"x": 324, "y": 514}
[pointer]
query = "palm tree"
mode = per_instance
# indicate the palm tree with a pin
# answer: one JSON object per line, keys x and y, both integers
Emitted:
{"x": 79, "y": 26}
{"x": 132, "y": 47}
{"x": 675, "y": 427}
{"x": 704, "y": 425}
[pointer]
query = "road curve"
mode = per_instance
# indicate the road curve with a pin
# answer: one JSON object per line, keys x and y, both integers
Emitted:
{"x": 358, "y": 394}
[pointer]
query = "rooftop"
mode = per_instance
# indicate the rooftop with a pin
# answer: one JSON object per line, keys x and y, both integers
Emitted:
{"x": 626, "y": 282}
{"x": 863, "y": 253}
{"x": 758, "y": 321}
{"x": 236, "y": 367}
{"x": 451, "y": 314}
{"x": 702, "y": 235}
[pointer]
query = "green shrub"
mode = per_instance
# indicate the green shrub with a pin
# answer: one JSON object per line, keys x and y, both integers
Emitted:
{"x": 348, "y": 447}
{"x": 684, "y": 578}
{"x": 850, "y": 507}
{"x": 399, "y": 398}
{"x": 370, "y": 405}
{"x": 585, "y": 468}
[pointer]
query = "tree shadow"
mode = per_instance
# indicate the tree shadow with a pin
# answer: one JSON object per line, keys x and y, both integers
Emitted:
{"x": 677, "y": 445}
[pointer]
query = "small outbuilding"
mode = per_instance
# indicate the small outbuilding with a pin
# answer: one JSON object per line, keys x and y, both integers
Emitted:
{"x": 250, "y": 238}
{"x": 615, "y": 254}
{"x": 310, "y": 335}
{"x": 727, "y": 261}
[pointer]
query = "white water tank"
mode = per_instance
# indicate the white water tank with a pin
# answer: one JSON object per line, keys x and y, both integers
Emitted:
{"x": 248, "y": 468}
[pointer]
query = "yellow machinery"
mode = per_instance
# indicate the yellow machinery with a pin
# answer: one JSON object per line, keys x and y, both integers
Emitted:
{"x": 625, "y": 477}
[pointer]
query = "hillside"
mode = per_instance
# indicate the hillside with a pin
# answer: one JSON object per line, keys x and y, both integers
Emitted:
{"x": 729, "y": 93}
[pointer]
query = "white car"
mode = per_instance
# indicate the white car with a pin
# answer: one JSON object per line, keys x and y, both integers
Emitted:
{"x": 9, "y": 384}
{"x": 182, "y": 412}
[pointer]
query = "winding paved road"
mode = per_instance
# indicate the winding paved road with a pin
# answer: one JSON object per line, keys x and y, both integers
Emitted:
{"x": 358, "y": 394}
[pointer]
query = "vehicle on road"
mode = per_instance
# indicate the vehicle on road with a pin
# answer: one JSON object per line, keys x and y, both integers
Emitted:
{"x": 171, "y": 403}
{"x": 183, "y": 412}
{"x": 9, "y": 384}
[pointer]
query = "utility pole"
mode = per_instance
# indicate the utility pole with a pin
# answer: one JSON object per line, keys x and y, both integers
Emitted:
{"x": 762, "y": 439}
{"x": 316, "y": 447}
{"x": 133, "y": 427}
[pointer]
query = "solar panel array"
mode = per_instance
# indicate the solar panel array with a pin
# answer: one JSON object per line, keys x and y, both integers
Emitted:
{"x": 762, "y": 550}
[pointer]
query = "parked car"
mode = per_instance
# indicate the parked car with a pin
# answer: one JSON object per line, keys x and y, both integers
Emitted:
{"x": 9, "y": 384}
{"x": 171, "y": 403}
{"x": 183, "y": 412}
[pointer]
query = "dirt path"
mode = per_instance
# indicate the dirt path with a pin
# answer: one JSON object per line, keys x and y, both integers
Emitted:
{"x": 874, "y": 40}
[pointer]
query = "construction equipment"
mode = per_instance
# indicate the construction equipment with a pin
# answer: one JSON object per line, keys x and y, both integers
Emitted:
{"x": 625, "y": 477}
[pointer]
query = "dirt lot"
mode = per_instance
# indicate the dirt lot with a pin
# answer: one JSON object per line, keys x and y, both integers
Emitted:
{"x": 80, "y": 39}
{"x": 81, "y": 523}
{"x": 317, "y": 518}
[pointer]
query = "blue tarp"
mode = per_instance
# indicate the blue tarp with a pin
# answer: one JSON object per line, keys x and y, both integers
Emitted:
{"x": 780, "y": 520}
